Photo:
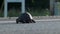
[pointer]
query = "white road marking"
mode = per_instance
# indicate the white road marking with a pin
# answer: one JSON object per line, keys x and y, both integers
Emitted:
{"x": 48, "y": 20}
{"x": 7, "y": 21}
{"x": 35, "y": 20}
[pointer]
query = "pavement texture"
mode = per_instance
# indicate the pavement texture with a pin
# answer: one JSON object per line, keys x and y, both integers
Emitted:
{"x": 42, "y": 26}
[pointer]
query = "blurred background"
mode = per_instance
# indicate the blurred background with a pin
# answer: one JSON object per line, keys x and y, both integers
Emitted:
{"x": 35, "y": 7}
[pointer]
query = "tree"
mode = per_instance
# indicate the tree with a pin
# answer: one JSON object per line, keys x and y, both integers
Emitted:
{"x": 38, "y": 3}
{"x": 1, "y": 5}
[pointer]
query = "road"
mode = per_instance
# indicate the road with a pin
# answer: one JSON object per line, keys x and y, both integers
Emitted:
{"x": 40, "y": 27}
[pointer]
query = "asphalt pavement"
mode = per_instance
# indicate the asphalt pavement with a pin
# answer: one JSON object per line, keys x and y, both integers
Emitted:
{"x": 43, "y": 26}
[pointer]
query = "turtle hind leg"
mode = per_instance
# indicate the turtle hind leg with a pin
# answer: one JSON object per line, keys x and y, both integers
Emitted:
{"x": 17, "y": 21}
{"x": 33, "y": 21}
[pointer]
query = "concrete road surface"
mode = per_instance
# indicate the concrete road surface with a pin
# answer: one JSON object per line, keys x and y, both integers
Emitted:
{"x": 47, "y": 26}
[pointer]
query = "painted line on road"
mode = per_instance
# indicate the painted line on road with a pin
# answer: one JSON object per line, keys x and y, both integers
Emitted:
{"x": 48, "y": 20}
{"x": 7, "y": 21}
{"x": 35, "y": 20}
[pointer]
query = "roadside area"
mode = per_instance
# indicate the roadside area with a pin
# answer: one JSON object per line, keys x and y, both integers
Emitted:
{"x": 42, "y": 26}
{"x": 34, "y": 17}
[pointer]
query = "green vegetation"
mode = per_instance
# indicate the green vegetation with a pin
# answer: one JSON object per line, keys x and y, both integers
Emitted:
{"x": 13, "y": 14}
{"x": 1, "y": 14}
{"x": 40, "y": 13}
{"x": 37, "y": 8}
{"x": 34, "y": 13}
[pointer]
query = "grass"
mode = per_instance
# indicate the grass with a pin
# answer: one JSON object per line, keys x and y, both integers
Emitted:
{"x": 33, "y": 13}
{"x": 13, "y": 14}
{"x": 1, "y": 14}
{"x": 40, "y": 13}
